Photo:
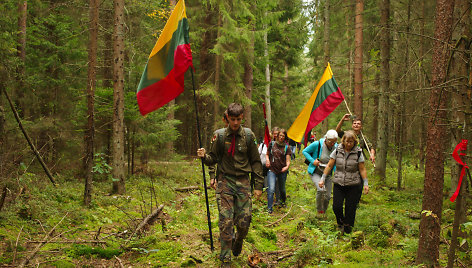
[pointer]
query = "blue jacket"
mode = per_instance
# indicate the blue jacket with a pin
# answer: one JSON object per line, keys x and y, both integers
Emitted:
{"x": 310, "y": 151}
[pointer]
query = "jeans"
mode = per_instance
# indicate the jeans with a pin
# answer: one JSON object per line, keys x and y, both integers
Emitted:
{"x": 293, "y": 148}
{"x": 280, "y": 180}
{"x": 322, "y": 195}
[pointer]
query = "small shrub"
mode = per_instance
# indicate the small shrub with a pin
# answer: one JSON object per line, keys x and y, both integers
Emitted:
{"x": 378, "y": 240}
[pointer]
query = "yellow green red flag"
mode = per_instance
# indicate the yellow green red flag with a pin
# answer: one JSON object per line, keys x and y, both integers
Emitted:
{"x": 163, "y": 76}
{"x": 326, "y": 97}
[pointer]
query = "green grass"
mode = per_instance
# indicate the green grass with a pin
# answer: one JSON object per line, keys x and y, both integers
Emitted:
{"x": 181, "y": 239}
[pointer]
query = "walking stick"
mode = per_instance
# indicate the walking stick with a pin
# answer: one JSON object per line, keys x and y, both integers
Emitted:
{"x": 203, "y": 165}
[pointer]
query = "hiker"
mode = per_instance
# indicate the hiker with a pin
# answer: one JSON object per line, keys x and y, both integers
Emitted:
{"x": 213, "y": 170}
{"x": 357, "y": 128}
{"x": 275, "y": 133}
{"x": 293, "y": 147}
{"x": 262, "y": 149}
{"x": 278, "y": 162}
{"x": 317, "y": 153}
{"x": 349, "y": 178}
{"x": 235, "y": 150}
{"x": 299, "y": 146}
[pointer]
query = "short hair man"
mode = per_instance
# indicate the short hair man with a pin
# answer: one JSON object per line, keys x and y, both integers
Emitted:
{"x": 235, "y": 150}
{"x": 357, "y": 128}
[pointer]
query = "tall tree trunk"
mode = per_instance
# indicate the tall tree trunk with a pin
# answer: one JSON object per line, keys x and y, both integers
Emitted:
{"x": 22, "y": 15}
{"x": 3, "y": 156}
{"x": 171, "y": 104}
{"x": 460, "y": 127}
{"x": 358, "y": 39}
{"x": 422, "y": 134}
{"x": 348, "y": 19}
{"x": 402, "y": 109}
{"x": 382, "y": 138}
{"x": 90, "y": 131}
{"x": 324, "y": 123}
{"x": 375, "y": 120}
{"x": 107, "y": 73}
{"x": 430, "y": 224}
{"x": 267, "y": 76}
{"x": 218, "y": 62}
{"x": 285, "y": 87}
{"x": 118, "y": 147}
{"x": 248, "y": 80}
{"x": 107, "y": 69}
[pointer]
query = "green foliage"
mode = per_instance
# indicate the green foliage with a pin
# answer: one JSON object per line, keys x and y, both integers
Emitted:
{"x": 78, "y": 250}
{"x": 161, "y": 255}
{"x": 63, "y": 264}
{"x": 101, "y": 166}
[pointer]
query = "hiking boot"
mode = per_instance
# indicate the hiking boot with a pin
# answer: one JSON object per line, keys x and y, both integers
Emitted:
{"x": 347, "y": 228}
{"x": 237, "y": 247}
{"x": 341, "y": 230}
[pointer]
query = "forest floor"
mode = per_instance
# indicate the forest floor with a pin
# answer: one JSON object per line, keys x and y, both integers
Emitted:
{"x": 386, "y": 230}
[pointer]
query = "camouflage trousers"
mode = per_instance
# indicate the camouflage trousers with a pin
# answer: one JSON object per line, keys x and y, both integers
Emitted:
{"x": 233, "y": 196}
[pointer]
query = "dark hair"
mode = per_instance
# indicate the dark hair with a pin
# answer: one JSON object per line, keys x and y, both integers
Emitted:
{"x": 225, "y": 116}
{"x": 355, "y": 119}
{"x": 235, "y": 109}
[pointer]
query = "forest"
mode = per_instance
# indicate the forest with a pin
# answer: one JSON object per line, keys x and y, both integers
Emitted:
{"x": 87, "y": 181}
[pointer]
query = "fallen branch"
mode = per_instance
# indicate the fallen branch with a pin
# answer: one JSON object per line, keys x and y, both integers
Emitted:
{"x": 67, "y": 242}
{"x": 303, "y": 209}
{"x": 275, "y": 222}
{"x": 38, "y": 247}
{"x": 16, "y": 246}
{"x": 277, "y": 252}
{"x": 149, "y": 220}
{"x": 189, "y": 188}
{"x": 285, "y": 256}
{"x": 119, "y": 261}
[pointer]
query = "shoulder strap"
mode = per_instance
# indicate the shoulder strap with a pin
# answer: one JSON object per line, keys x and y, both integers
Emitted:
{"x": 359, "y": 155}
{"x": 248, "y": 136}
{"x": 319, "y": 148}
{"x": 220, "y": 140}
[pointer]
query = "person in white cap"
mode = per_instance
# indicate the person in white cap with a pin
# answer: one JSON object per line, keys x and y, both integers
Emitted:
{"x": 317, "y": 153}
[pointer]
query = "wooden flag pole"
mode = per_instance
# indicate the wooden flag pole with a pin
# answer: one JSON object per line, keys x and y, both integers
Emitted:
{"x": 203, "y": 165}
{"x": 362, "y": 134}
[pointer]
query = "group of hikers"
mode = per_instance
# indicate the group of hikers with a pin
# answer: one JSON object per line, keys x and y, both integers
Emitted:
{"x": 333, "y": 167}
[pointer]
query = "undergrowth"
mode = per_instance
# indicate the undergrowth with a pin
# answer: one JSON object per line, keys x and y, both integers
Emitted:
{"x": 293, "y": 236}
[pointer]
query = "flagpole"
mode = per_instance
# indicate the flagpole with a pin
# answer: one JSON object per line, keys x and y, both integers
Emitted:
{"x": 203, "y": 165}
{"x": 362, "y": 135}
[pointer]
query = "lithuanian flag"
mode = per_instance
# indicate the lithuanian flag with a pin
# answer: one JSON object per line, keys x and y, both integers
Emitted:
{"x": 326, "y": 97}
{"x": 163, "y": 76}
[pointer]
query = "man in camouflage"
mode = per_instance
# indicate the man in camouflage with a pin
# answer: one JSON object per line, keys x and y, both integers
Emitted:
{"x": 213, "y": 170}
{"x": 234, "y": 149}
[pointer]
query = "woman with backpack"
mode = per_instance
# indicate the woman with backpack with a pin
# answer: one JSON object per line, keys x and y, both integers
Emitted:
{"x": 349, "y": 178}
{"x": 317, "y": 155}
{"x": 277, "y": 161}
